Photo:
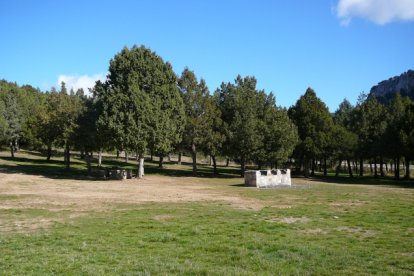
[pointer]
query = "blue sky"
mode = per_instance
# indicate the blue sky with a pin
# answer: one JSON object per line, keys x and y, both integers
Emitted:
{"x": 339, "y": 47}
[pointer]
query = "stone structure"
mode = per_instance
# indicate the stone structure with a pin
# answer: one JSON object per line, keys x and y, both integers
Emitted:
{"x": 117, "y": 174}
{"x": 267, "y": 179}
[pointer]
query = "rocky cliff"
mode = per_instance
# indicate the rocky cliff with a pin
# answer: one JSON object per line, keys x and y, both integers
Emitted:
{"x": 386, "y": 90}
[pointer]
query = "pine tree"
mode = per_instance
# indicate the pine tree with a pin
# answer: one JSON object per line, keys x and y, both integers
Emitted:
{"x": 315, "y": 128}
{"x": 141, "y": 104}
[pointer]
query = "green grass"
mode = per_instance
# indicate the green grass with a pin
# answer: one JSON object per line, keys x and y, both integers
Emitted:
{"x": 209, "y": 239}
{"x": 320, "y": 227}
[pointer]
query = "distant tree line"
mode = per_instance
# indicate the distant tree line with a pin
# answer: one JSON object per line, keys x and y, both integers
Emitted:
{"x": 143, "y": 108}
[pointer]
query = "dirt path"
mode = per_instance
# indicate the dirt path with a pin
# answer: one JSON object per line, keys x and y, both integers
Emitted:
{"x": 37, "y": 191}
{"x": 74, "y": 198}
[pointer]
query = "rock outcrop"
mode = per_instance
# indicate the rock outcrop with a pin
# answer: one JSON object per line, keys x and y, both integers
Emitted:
{"x": 387, "y": 89}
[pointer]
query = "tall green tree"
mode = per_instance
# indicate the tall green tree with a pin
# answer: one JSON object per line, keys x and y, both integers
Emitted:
{"x": 142, "y": 106}
{"x": 399, "y": 129}
{"x": 239, "y": 105}
{"x": 345, "y": 141}
{"x": 13, "y": 121}
{"x": 71, "y": 108}
{"x": 280, "y": 133}
{"x": 315, "y": 128}
{"x": 200, "y": 116}
{"x": 214, "y": 135}
{"x": 3, "y": 122}
{"x": 370, "y": 123}
{"x": 255, "y": 128}
{"x": 49, "y": 121}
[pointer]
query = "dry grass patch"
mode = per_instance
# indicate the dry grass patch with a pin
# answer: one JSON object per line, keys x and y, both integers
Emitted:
{"x": 358, "y": 231}
{"x": 289, "y": 220}
{"x": 313, "y": 231}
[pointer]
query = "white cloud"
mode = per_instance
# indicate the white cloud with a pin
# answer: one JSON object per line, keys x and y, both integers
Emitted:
{"x": 83, "y": 81}
{"x": 378, "y": 11}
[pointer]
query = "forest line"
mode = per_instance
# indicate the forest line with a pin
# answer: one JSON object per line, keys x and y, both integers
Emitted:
{"x": 144, "y": 108}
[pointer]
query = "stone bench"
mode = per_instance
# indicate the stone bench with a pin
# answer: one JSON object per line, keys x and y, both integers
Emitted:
{"x": 267, "y": 178}
{"x": 114, "y": 173}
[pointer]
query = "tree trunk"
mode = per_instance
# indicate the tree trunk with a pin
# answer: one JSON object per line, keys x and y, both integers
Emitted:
{"x": 259, "y": 165}
{"x": 12, "y": 150}
{"x": 179, "y": 158}
{"x": 407, "y": 168}
{"x": 299, "y": 165}
{"x": 82, "y": 154}
{"x": 325, "y": 170}
{"x": 375, "y": 168}
{"x": 227, "y": 162}
{"x": 370, "y": 166}
{"x": 100, "y": 157}
{"x": 361, "y": 166}
{"x": 338, "y": 168}
{"x": 356, "y": 165}
{"x": 194, "y": 157}
{"x": 140, "y": 166}
{"x": 213, "y": 158}
{"x": 67, "y": 150}
{"x": 313, "y": 167}
{"x": 88, "y": 163}
{"x": 381, "y": 167}
{"x": 386, "y": 167}
{"x": 126, "y": 157}
{"x": 306, "y": 168}
{"x": 242, "y": 166}
{"x": 349, "y": 168}
{"x": 397, "y": 168}
{"x": 117, "y": 154}
{"x": 161, "y": 162}
{"x": 49, "y": 152}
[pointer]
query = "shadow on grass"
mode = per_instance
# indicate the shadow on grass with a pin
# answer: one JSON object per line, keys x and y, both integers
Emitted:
{"x": 55, "y": 168}
{"x": 364, "y": 180}
{"x": 51, "y": 170}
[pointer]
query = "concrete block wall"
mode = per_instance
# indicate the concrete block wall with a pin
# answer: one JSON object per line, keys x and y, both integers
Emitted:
{"x": 267, "y": 178}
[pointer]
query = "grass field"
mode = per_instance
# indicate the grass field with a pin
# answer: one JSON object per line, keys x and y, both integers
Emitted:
{"x": 55, "y": 222}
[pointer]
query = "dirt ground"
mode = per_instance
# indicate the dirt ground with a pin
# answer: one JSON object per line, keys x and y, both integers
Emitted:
{"x": 78, "y": 197}
{"x": 35, "y": 191}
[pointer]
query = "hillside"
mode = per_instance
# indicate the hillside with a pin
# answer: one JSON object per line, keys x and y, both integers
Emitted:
{"x": 386, "y": 90}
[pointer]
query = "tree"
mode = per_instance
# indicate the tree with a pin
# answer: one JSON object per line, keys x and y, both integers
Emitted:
{"x": 213, "y": 136}
{"x": 399, "y": 129}
{"x": 369, "y": 124}
{"x": 409, "y": 125}
{"x": 280, "y": 133}
{"x": 142, "y": 106}
{"x": 343, "y": 115}
{"x": 344, "y": 142}
{"x": 3, "y": 122}
{"x": 49, "y": 121}
{"x": 71, "y": 106}
{"x": 13, "y": 128}
{"x": 239, "y": 105}
{"x": 201, "y": 117}
{"x": 315, "y": 127}
{"x": 253, "y": 125}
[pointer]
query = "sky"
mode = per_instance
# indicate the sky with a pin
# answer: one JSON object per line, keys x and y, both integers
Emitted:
{"x": 339, "y": 48}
